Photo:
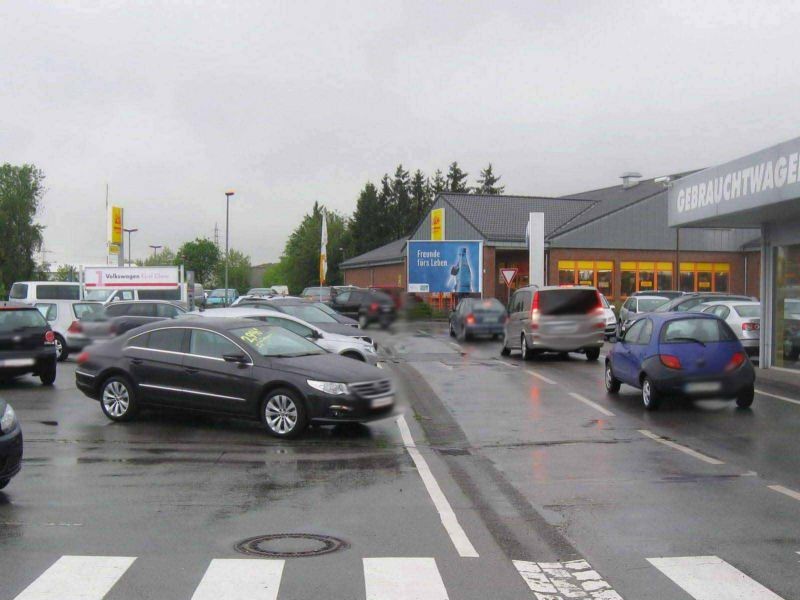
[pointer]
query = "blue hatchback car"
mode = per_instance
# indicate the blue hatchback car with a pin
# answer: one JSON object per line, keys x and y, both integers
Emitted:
{"x": 681, "y": 354}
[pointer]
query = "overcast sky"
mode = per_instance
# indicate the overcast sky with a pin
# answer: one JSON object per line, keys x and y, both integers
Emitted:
{"x": 287, "y": 103}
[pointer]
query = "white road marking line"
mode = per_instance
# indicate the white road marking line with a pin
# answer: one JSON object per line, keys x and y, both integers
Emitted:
{"x": 711, "y": 578}
{"x": 457, "y": 535}
{"x": 571, "y": 579}
{"x": 784, "y": 398}
{"x": 594, "y": 405}
{"x": 684, "y": 449}
{"x": 542, "y": 377}
{"x": 784, "y": 490}
{"x": 78, "y": 578}
{"x": 455, "y": 347}
{"x": 240, "y": 578}
{"x": 403, "y": 579}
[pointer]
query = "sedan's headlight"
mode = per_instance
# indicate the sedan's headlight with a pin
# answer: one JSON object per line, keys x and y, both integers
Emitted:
{"x": 8, "y": 420}
{"x": 328, "y": 387}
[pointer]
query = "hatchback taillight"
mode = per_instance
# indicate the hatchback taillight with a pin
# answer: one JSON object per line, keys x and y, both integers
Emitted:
{"x": 374, "y": 306}
{"x": 49, "y": 337}
{"x": 82, "y": 357}
{"x": 670, "y": 361}
{"x": 752, "y": 326}
{"x": 470, "y": 319}
{"x": 736, "y": 361}
{"x": 75, "y": 327}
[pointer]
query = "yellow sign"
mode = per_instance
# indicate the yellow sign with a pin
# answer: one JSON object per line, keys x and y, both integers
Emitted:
{"x": 113, "y": 249}
{"x": 437, "y": 224}
{"x": 115, "y": 225}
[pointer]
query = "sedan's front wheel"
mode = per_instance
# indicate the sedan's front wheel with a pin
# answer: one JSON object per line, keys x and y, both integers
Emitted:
{"x": 612, "y": 383}
{"x": 284, "y": 414}
{"x": 118, "y": 399}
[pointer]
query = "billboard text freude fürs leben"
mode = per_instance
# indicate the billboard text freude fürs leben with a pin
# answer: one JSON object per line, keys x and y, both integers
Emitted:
{"x": 445, "y": 266}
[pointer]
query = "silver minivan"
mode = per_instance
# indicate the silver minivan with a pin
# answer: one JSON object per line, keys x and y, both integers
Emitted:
{"x": 555, "y": 319}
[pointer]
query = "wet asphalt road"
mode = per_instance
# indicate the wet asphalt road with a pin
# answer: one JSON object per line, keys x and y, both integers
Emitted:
{"x": 531, "y": 473}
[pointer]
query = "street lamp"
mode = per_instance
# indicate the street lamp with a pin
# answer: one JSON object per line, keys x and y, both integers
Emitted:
{"x": 155, "y": 249}
{"x": 228, "y": 195}
{"x": 129, "y": 232}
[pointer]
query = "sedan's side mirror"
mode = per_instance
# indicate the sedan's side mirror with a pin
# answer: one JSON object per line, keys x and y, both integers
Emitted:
{"x": 240, "y": 359}
{"x": 316, "y": 335}
{"x": 613, "y": 338}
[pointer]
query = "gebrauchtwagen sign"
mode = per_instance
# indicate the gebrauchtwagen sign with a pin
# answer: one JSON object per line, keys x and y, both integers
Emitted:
{"x": 759, "y": 179}
{"x": 131, "y": 277}
{"x": 445, "y": 266}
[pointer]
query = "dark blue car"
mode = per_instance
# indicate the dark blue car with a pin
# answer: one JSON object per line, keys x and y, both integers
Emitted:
{"x": 10, "y": 444}
{"x": 681, "y": 354}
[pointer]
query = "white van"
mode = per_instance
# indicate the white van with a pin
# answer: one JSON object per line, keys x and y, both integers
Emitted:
{"x": 109, "y": 295}
{"x": 31, "y": 292}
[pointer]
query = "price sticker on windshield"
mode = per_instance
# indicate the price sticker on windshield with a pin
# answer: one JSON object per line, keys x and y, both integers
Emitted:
{"x": 253, "y": 336}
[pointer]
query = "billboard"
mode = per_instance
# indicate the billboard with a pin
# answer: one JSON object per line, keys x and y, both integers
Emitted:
{"x": 437, "y": 224}
{"x": 131, "y": 277}
{"x": 445, "y": 266}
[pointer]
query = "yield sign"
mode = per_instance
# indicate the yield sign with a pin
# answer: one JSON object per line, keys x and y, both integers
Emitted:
{"x": 508, "y": 275}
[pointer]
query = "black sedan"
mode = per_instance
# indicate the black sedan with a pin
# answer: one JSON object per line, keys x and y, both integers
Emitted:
{"x": 10, "y": 444}
{"x": 234, "y": 367}
{"x": 474, "y": 316}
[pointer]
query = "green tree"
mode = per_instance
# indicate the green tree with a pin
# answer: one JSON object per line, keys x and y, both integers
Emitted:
{"x": 238, "y": 271}
{"x": 200, "y": 256}
{"x": 402, "y": 213}
{"x": 487, "y": 182}
{"x": 456, "y": 179}
{"x": 21, "y": 191}
{"x": 438, "y": 183}
{"x": 275, "y": 274}
{"x": 421, "y": 200}
{"x": 160, "y": 259}
{"x": 66, "y": 273}
{"x": 362, "y": 234}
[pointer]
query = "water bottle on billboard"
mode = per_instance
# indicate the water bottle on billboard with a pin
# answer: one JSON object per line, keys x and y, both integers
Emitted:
{"x": 462, "y": 273}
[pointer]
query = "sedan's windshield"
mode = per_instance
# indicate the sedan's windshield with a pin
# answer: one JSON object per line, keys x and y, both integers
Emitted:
{"x": 307, "y": 312}
{"x": 97, "y": 295}
{"x": 650, "y": 304}
{"x": 276, "y": 341}
{"x": 748, "y": 310}
{"x": 88, "y": 311}
{"x": 325, "y": 308}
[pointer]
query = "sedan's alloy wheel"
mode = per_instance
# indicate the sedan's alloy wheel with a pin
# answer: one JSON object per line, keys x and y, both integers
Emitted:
{"x": 116, "y": 398}
{"x": 281, "y": 414}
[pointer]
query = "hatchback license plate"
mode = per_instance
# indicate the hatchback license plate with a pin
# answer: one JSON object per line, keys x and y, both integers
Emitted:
{"x": 703, "y": 387}
{"x": 16, "y": 362}
{"x": 381, "y": 402}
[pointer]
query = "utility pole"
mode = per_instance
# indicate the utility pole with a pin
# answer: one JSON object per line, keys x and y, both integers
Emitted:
{"x": 129, "y": 232}
{"x": 228, "y": 195}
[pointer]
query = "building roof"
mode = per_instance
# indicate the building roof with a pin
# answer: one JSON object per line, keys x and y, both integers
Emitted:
{"x": 505, "y": 218}
{"x": 614, "y": 198}
{"x": 388, "y": 254}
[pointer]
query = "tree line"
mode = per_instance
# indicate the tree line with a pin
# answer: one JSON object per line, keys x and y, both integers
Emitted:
{"x": 384, "y": 212}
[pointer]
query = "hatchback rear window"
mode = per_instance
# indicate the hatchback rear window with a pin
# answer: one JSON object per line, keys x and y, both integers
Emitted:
{"x": 488, "y": 305}
{"x": 567, "y": 302}
{"x": 748, "y": 310}
{"x": 706, "y": 331}
{"x": 11, "y": 320}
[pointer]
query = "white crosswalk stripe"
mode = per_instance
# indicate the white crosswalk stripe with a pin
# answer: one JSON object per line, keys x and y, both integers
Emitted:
{"x": 711, "y": 578}
{"x": 403, "y": 579}
{"x": 563, "y": 580}
{"x": 236, "y": 579}
{"x": 78, "y": 578}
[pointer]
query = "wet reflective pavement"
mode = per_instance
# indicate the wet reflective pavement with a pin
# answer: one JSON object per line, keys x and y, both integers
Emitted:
{"x": 535, "y": 463}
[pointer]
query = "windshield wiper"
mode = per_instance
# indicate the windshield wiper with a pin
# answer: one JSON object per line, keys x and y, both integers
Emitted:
{"x": 686, "y": 339}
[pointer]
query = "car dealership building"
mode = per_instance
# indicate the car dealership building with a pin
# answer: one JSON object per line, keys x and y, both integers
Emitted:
{"x": 758, "y": 190}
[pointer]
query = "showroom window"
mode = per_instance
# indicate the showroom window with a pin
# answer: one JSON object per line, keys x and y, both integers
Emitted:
{"x": 645, "y": 277}
{"x": 705, "y": 277}
{"x": 597, "y": 273}
{"x": 786, "y": 310}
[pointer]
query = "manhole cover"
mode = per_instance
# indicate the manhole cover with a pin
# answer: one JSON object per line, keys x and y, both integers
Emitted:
{"x": 290, "y": 545}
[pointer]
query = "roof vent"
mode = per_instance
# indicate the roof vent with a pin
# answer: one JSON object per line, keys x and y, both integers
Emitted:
{"x": 630, "y": 179}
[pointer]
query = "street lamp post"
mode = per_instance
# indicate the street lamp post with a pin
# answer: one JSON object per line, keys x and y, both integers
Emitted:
{"x": 129, "y": 232}
{"x": 155, "y": 249}
{"x": 228, "y": 195}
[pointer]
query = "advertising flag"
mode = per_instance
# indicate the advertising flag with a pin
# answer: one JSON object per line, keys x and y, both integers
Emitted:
{"x": 323, "y": 251}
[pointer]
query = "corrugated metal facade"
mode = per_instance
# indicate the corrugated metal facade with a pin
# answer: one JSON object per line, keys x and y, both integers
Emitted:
{"x": 644, "y": 226}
